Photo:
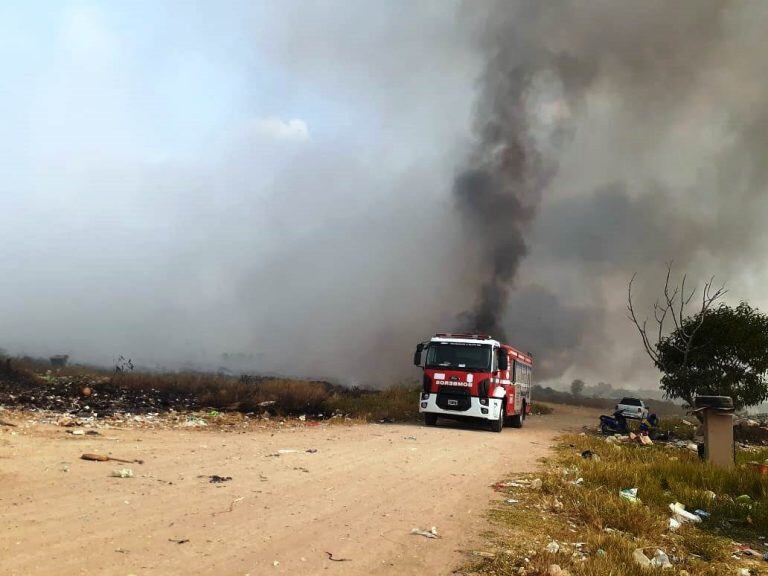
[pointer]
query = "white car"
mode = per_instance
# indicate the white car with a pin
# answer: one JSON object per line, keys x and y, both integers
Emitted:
{"x": 632, "y": 408}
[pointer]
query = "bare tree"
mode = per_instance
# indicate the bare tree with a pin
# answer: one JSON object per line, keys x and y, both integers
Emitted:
{"x": 673, "y": 306}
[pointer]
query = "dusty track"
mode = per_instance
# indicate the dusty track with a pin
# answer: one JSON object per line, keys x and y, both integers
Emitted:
{"x": 357, "y": 497}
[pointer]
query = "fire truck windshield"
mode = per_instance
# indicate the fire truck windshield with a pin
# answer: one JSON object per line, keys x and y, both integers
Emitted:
{"x": 459, "y": 356}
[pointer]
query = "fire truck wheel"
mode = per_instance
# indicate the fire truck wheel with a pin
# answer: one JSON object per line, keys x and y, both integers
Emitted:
{"x": 517, "y": 420}
{"x": 498, "y": 424}
{"x": 430, "y": 419}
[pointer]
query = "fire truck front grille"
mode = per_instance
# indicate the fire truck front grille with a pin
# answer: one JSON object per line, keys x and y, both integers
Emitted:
{"x": 453, "y": 398}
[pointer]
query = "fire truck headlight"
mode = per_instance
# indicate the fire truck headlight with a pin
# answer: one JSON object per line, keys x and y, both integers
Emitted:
{"x": 425, "y": 395}
{"x": 484, "y": 401}
{"x": 423, "y": 404}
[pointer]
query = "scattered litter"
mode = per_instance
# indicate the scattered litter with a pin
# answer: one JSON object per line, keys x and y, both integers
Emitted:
{"x": 709, "y": 494}
{"x": 331, "y": 558}
{"x": 216, "y": 479}
{"x": 483, "y": 554}
{"x": 301, "y": 469}
{"x": 287, "y": 451}
{"x": 512, "y": 501}
{"x": 703, "y": 514}
{"x": 267, "y": 403}
{"x": 276, "y": 563}
{"x": 553, "y": 547}
{"x": 660, "y": 560}
{"x": 231, "y": 506}
{"x": 587, "y": 454}
{"x": 674, "y": 524}
{"x": 578, "y": 481}
{"x": 640, "y": 558}
{"x": 681, "y": 514}
{"x": 184, "y": 541}
{"x": 645, "y": 440}
{"x": 409, "y": 437}
{"x": 193, "y": 422}
{"x": 105, "y": 458}
{"x": 431, "y": 533}
{"x": 693, "y": 447}
{"x": 687, "y": 423}
{"x": 311, "y": 451}
{"x": 122, "y": 473}
{"x": 600, "y": 553}
{"x": 629, "y": 494}
{"x": 64, "y": 466}
{"x": 79, "y": 432}
{"x": 744, "y": 572}
{"x": 303, "y": 418}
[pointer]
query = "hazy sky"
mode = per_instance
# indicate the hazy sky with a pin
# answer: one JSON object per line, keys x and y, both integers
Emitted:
{"x": 180, "y": 180}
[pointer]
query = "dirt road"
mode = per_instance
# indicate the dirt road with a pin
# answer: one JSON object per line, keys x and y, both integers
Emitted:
{"x": 357, "y": 497}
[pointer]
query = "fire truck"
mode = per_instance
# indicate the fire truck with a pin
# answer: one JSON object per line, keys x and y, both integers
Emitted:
{"x": 474, "y": 376}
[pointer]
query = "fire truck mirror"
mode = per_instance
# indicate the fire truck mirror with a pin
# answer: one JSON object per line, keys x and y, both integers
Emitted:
{"x": 417, "y": 354}
{"x": 503, "y": 360}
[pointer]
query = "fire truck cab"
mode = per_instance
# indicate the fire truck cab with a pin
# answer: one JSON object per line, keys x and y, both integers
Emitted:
{"x": 474, "y": 376}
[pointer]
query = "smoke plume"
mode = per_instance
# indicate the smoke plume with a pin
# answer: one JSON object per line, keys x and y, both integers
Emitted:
{"x": 311, "y": 188}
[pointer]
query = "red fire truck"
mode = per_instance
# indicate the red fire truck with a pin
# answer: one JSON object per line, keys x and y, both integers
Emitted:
{"x": 474, "y": 376}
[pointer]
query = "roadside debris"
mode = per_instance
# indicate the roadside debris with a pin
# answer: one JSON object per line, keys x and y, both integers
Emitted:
{"x": 660, "y": 560}
{"x": 673, "y": 524}
{"x": 122, "y": 473}
{"x": 640, "y": 558}
{"x": 682, "y": 515}
{"x": 231, "y": 506}
{"x": 409, "y": 437}
{"x": 105, "y": 458}
{"x": 332, "y": 559}
{"x": 630, "y": 494}
{"x": 431, "y": 533}
{"x": 311, "y": 451}
{"x": 182, "y": 541}
{"x": 216, "y": 479}
{"x": 553, "y": 547}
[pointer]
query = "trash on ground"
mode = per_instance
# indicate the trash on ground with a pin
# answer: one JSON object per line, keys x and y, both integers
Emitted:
{"x": 640, "y": 558}
{"x": 703, "y": 514}
{"x": 587, "y": 454}
{"x": 311, "y": 451}
{"x": 182, "y": 541}
{"x": 673, "y": 524}
{"x": 332, "y": 559}
{"x": 629, "y": 494}
{"x": 409, "y": 437}
{"x": 267, "y": 403}
{"x": 79, "y": 432}
{"x": 553, "y": 547}
{"x": 105, "y": 458}
{"x": 578, "y": 481}
{"x": 681, "y": 514}
{"x": 512, "y": 501}
{"x": 303, "y": 417}
{"x": 122, "y": 473}
{"x": 431, "y": 533}
{"x": 216, "y": 479}
{"x": 660, "y": 560}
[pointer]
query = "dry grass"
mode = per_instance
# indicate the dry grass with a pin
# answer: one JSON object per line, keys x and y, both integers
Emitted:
{"x": 609, "y": 527}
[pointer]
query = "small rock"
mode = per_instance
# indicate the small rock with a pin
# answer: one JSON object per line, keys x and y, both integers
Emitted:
{"x": 640, "y": 558}
{"x": 536, "y": 484}
{"x": 553, "y": 547}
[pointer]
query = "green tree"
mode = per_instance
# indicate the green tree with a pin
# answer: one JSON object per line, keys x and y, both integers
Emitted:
{"x": 727, "y": 356}
{"x": 718, "y": 350}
